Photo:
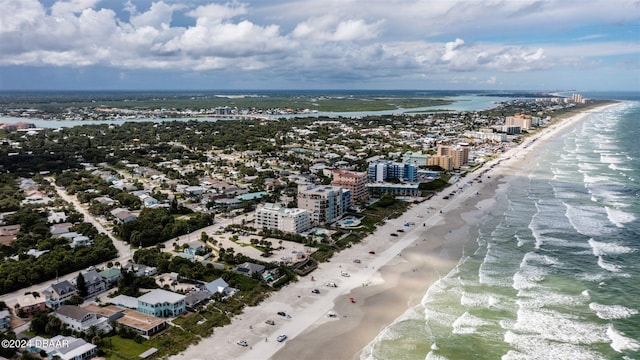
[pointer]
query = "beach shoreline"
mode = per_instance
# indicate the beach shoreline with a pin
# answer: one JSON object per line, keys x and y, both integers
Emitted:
{"x": 385, "y": 284}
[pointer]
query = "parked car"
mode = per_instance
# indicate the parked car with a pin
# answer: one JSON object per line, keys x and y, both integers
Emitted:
{"x": 315, "y": 291}
{"x": 282, "y": 313}
{"x": 242, "y": 343}
{"x": 332, "y": 284}
{"x": 281, "y": 337}
{"x": 372, "y": 252}
{"x": 394, "y": 234}
{"x": 357, "y": 261}
{"x": 270, "y": 322}
{"x": 345, "y": 274}
{"x": 400, "y": 230}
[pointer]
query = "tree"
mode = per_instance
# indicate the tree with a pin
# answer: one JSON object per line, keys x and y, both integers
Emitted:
{"x": 81, "y": 286}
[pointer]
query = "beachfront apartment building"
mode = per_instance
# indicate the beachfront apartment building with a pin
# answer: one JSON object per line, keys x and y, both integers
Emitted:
{"x": 524, "y": 121}
{"x": 325, "y": 203}
{"x": 355, "y": 182}
{"x": 277, "y": 217}
{"x": 382, "y": 170}
{"x": 416, "y": 158}
{"x": 444, "y": 161}
{"x": 161, "y": 303}
{"x": 459, "y": 154}
{"x": 380, "y": 189}
{"x": 486, "y": 136}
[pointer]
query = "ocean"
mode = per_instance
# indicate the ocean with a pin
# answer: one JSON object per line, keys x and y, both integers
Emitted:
{"x": 556, "y": 274}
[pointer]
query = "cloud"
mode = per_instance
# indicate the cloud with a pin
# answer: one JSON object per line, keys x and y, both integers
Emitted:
{"x": 302, "y": 39}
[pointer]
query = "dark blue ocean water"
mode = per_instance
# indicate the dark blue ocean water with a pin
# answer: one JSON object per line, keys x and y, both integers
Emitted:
{"x": 557, "y": 270}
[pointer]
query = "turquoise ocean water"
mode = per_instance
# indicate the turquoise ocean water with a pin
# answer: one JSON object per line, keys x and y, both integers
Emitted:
{"x": 557, "y": 271}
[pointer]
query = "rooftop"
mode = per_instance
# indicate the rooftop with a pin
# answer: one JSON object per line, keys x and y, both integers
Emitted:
{"x": 157, "y": 296}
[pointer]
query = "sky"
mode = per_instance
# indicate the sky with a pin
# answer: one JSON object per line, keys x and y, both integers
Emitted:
{"x": 588, "y": 45}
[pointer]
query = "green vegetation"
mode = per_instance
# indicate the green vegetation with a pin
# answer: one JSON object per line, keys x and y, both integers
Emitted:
{"x": 118, "y": 348}
{"x": 60, "y": 102}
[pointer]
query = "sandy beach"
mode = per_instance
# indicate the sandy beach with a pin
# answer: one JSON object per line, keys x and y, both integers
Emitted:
{"x": 384, "y": 284}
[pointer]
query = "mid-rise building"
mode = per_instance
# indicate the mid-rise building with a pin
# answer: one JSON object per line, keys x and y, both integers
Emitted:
{"x": 459, "y": 154}
{"x": 273, "y": 216}
{"x": 355, "y": 182}
{"x": 444, "y": 161}
{"x": 524, "y": 121}
{"x": 382, "y": 170}
{"x": 380, "y": 189}
{"x": 416, "y": 158}
{"x": 325, "y": 203}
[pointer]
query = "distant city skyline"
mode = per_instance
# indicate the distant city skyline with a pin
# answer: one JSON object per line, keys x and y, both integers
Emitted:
{"x": 332, "y": 44}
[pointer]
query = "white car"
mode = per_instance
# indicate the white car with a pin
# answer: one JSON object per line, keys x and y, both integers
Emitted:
{"x": 345, "y": 274}
{"x": 242, "y": 343}
{"x": 332, "y": 284}
{"x": 282, "y": 338}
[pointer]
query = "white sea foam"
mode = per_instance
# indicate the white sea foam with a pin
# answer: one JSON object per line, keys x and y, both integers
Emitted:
{"x": 610, "y": 312}
{"x": 468, "y": 324}
{"x": 619, "y": 168}
{"x": 612, "y": 158}
{"x": 587, "y": 220}
{"x": 556, "y": 326}
{"x": 619, "y": 342}
{"x": 542, "y": 298}
{"x": 619, "y": 217}
{"x": 536, "y": 348}
{"x": 592, "y": 277}
{"x": 602, "y": 248}
{"x": 608, "y": 266}
{"x": 528, "y": 277}
{"x": 432, "y": 356}
{"x": 472, "y": 300}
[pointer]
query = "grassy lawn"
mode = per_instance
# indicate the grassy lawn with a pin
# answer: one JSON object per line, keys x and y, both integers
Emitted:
{"x": 118, "y": 348}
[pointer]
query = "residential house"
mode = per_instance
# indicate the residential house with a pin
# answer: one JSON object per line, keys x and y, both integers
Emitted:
{"x": 161, "y": 303}
{"x": 123, "y": 215}
{"x": 124, "y": 301}
{"x": 5, "y": 320}
{"x": 195, "y": 298}
{"x": 28, "y": 304}
{"x": 194, "y": 248}
{"x": 110, "y": 276}
{"x": 141, "y": 270}
{"x": 249, "y": 269}
{"x": 143, "y": 324}
{"x": 105, "y": 200}
{"x": 63, "y": 347}
{"x": 61, "y": 228}
{"x": 94, "y": 282}
{"x": 8, "y": 234}
{"x": 36, "y": 197}
{"x": 81, "y": 319}
{"x": 80, "y": 240}
{"x": 58, "y": 293}
{"x": 56, "y": 217}
{"x": 221, "y": 287}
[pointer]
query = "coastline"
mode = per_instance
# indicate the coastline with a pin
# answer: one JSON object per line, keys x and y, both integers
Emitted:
{"x": 384, "y": 285}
